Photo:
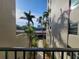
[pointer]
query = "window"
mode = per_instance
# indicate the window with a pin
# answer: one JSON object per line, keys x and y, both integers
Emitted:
{"x": 73, "y": 28}
{"x": 74, "y": 4}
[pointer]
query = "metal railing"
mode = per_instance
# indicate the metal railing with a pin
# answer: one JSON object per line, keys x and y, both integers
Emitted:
{"x": 34, "y": 50}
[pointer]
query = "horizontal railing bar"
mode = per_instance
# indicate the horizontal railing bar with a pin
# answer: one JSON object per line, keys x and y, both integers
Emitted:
{"x": 42, "y": 49}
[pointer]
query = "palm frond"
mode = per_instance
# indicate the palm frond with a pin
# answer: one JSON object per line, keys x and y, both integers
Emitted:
{"x": 26, "y": 14}
{"x": 22, "y": 17}
{"x": 32, "y": 16}
{"x": 45, "y": 14}
{"x": 32, "y": 21}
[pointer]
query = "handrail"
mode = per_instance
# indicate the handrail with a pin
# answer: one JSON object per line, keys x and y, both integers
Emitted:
{"x": 42, "y": 49}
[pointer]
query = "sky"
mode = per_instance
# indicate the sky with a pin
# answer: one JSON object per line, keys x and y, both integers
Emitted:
{"x": 37, "y": 8}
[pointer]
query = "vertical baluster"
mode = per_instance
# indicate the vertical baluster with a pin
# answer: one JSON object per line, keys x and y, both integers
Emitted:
{"x": 62, "y": 55}
{"x": 43, "y": 54}
{"x": 15, "y": 54}
{"x": 23, "y": 54}
{"x": 71, "y": 55}
{"x": 6, "y": 54}
{"x": 53, "y": 55}
{"x": 34, "y": 56}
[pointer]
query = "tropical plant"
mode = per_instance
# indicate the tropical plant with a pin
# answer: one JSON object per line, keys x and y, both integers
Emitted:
{"x": 45, "y": 17}
{"x": 18, "y": 27}
{"x": 29, "y": 30}
{"x": 28, "y": 17}
{"x": 45, "y": 14}
{"x": 41, "y": 21}
{"x": 31, "y": 33}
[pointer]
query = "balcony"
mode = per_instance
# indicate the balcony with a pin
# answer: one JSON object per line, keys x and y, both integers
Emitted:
{"x": 70, "y": 51}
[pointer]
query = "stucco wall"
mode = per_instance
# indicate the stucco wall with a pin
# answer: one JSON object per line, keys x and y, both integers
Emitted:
{"x": 7, "y": 23}
{"x": 59, "y": 23}
{"x": 74, "y": 39}
{"x": 58, "y": 17}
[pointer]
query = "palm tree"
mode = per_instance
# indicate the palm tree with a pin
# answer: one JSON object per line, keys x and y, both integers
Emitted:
{"x": 46, "y": 14}
{"x": 45, "y": 17}
{"x": 29, "y": 30}
{"x": 28, "y": 17}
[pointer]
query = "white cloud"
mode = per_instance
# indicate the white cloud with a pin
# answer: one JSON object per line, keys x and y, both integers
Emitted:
{"x": 19, "y": 13}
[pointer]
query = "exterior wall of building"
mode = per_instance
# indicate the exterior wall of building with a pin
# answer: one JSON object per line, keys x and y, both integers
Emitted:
{"x": 74, "y": 39}
{"x": 58, "y": 21}
{"x": 8, "y": 36}
{"x": 58, "y": 17}
{"x": 7, "y": 23}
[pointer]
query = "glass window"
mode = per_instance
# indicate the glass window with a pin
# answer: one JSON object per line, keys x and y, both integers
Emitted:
{"x": 73, "y": 28}
{"x": 74, "y": 4}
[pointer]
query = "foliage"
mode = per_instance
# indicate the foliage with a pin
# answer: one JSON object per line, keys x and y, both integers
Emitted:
{"x": 34, "y": 41}
{"x": 46, "y": 14}
{"x": 18, "y": 27}
{"x": 43, "y": 19}
{"x": 30, "y": 29}
{"x": 28, "y": 17}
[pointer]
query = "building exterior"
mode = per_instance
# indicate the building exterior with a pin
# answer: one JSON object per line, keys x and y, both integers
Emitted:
{"x": 63, "y": 24}
{"x": 7, "y": 23}
{"x": 8, "y": 36}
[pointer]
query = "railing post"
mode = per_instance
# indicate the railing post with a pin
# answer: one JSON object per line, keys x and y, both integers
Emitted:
{"x": 15, "y": 54}
{"x": 34, "y": 56}
{"x": 62, "y": 55}
{"x": 6, "y": 54}
{"x": 72, "y": 55}
{"x": 53, "y": 55}
{"x": 24, "y": 54}
{"x": 43, "y": 54}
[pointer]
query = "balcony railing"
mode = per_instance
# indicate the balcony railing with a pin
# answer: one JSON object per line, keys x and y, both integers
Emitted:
{"x": 34, "y": 50}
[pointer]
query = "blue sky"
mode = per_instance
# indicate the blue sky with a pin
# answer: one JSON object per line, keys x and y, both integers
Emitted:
{"x": 37, "y": 7}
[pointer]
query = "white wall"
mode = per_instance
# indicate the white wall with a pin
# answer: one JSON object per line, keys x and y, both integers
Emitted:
{"x": 60, "y": 23}
{"x": 74, "y": 39}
